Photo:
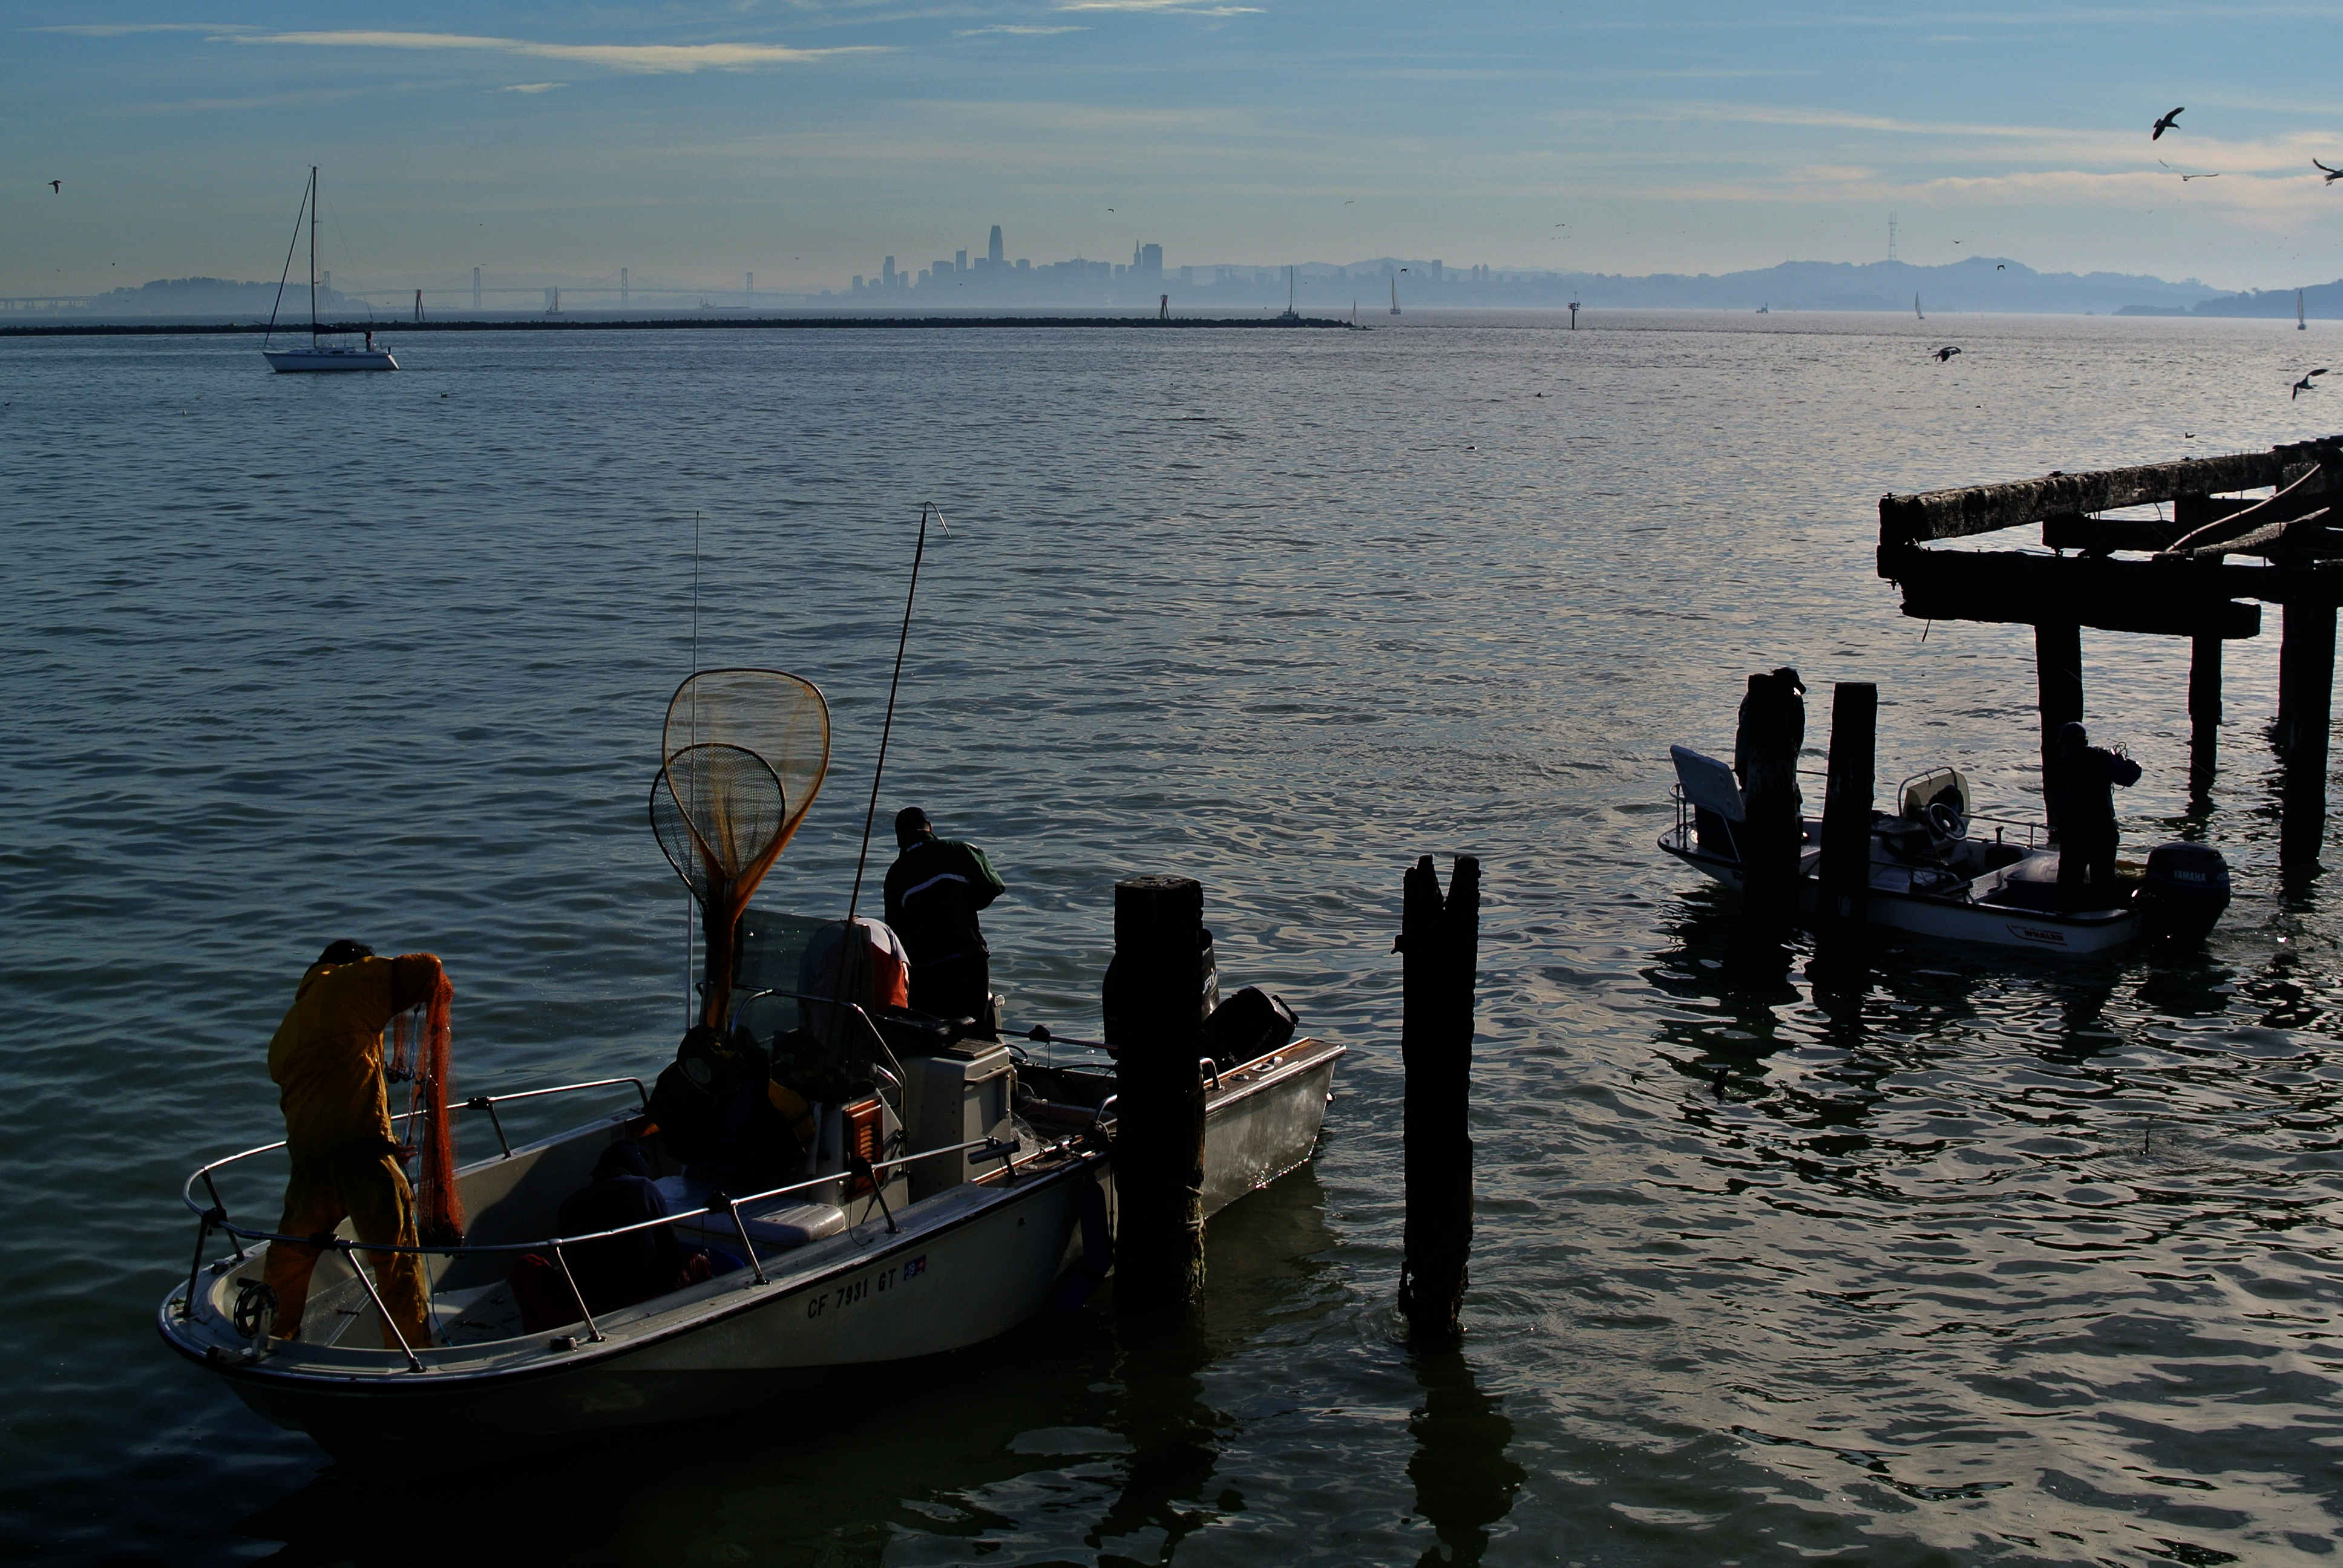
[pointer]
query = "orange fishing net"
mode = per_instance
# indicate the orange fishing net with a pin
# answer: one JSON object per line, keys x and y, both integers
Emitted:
{"x": 439, "y": 1206}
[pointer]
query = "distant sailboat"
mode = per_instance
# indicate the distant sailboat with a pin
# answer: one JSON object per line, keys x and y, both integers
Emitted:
{"x": 1394, "y": 297}
{"x": 318, "y": 356}
{"x": 1916, "y": 307}
{"x": 2298, "y": 311}
{"x": 1291, "y": 313}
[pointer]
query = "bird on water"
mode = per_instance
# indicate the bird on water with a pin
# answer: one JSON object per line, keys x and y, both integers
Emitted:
{"x": 2165, "y": 123}
{"x": 2303, "y": 384}
{"x": 1945, "y": 352}
{"x": 2332, "y": 174}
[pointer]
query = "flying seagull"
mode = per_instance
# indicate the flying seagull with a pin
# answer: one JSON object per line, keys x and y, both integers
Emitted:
{"x": 2001, "y": 266}
{"x": 2332, "y": 174}
{"x": 2165, "y": 124}
{"x": 1944, "y": 353}
{"x": 2303, "y": 384}
{"x": 56, "y": 188}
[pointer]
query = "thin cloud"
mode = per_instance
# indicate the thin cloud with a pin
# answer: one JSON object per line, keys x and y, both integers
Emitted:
{"x": 1021, "y": 32}
{"x": 122, "y": 29}
{"x": 1162, "y": 7}
{"x": 532, "y": 86}
{"x": 649, "y": 58}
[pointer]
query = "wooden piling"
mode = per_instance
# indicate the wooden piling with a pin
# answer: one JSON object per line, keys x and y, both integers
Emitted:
{"x": 1159, "y": 1146}
{"x": 2306, "y": 689}
{"x": 1765, "y": 745}
{"x": 1440, "y": 944}
{"x": 1845, "y": 868}
{"x": 2059, "y": 691}
{"x": 2203, "y": 710}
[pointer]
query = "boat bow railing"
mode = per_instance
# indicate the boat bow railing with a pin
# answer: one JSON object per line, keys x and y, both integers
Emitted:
{"x": 214, "y": 1216}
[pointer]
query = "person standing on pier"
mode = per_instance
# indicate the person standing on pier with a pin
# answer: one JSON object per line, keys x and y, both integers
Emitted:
{"x": 2082, "y": 809}
{"x": 327, "y": 1062}
{"x": 934, "y": 890}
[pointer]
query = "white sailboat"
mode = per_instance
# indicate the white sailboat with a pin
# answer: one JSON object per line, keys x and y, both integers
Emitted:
{"x": 1916, "y": 308}
{"x": 2298, "y": 311}
{"x": 1394, "y": 296}
{"x": 318, "y": 355}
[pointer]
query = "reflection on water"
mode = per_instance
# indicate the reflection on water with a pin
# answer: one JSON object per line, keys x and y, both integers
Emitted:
{"x": 1464, "y": 1484}
{"x": 938, "y": 1462}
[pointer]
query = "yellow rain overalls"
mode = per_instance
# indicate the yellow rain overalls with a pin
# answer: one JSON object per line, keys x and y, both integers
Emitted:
{"x": 327, "y": 1061}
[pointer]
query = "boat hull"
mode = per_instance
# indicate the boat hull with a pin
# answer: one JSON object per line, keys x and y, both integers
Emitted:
{"x": 1941, "y": 918}
{"x": 961, "y": 1268}
{"x": 288, "y": 361}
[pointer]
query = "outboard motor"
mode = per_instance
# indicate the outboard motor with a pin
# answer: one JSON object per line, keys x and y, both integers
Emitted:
{"x": 2182, "y": 891}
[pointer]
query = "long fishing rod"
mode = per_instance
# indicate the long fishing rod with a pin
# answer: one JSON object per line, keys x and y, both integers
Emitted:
{"x": 870, "y": 816}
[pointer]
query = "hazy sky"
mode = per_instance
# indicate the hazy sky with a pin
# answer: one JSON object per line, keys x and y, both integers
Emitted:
{"x": 694, "y": 142}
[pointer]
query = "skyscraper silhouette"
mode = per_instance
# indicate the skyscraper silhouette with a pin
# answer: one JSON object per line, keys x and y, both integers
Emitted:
{"x": 993, "y": 252}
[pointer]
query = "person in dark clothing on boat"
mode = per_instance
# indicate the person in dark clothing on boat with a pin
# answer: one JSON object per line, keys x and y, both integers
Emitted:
{"x": 2083, "y": 811}
{"x": 620, "y": 1271}
{"x": 934, "y": 890}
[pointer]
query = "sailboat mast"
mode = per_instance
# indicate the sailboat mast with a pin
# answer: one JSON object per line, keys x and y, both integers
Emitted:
{"x": 313, "y": 256}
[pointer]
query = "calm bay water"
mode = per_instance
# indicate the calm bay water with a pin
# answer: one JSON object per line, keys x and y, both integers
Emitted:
{"x": 2019, "y": 1265}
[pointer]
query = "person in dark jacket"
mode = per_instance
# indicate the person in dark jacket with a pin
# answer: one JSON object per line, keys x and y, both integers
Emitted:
{"x": 620, "y": 1271}
{"x": 2083, "y": 811}
{"x": 934, "y": 890}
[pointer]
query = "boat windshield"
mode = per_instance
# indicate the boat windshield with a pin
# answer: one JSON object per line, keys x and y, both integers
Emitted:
{"x": 1946, "y": 784}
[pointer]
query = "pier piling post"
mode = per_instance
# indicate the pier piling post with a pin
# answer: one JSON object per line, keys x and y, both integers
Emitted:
{"x": 2059, "y": 689}
{"x": 1440, "y": 947}
{"x": 1159, "y": 1146}
{"x": 2203, "y": 710}
{"x": 1846, "y": 904}
{"x": 1765, "y": 745}
{"x": 2306, "y": 689}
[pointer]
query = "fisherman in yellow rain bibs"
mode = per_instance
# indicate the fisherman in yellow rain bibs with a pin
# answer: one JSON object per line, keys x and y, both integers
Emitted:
{"x": 327, "y": 1061}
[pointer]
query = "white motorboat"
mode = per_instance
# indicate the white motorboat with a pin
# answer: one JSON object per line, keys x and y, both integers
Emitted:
{"x": 931, "y": 1187}
{"x": 320, "y": 355}
{"x": 1936, "y": 872}
{"x": 961, "y": 1240}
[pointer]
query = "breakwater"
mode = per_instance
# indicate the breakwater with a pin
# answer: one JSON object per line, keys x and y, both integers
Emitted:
{"x": 661, "y": 324}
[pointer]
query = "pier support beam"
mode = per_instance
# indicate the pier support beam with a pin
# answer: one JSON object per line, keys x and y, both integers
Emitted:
{"x": 1845, "y": 906}
{"x": 1159, "y": 1146}
{"x": 1765, "y": 745}
{"x": 2203, "y": 710}
{"x": 2306, "y": 689}
{"x": 2059, "y": 689}
{"x": 1440, "y": 947}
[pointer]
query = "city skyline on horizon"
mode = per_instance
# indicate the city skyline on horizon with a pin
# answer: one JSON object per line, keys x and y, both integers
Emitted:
{"x": 805, "y": 143}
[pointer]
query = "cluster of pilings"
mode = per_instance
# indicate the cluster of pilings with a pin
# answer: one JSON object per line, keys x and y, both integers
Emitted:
{"x": 2158, "y": 576}
{"x": 1159, "y": 1153}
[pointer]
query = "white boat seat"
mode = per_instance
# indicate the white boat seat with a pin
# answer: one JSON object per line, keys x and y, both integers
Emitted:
{"x": 1708, "y": 783}
{"x": 775, "y": 1225}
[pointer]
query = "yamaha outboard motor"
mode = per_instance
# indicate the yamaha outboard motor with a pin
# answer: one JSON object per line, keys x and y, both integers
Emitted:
{"x": 2182, "y": 891}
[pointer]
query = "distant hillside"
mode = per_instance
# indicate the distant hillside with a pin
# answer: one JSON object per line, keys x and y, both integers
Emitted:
{"x": 1981, "y": 282}
{"x": 211, "y": 296}
{"x": 2324, "y": 300}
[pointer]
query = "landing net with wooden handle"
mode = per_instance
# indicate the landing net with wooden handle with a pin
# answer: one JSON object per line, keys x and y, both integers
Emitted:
{"x": 744, "y": 754}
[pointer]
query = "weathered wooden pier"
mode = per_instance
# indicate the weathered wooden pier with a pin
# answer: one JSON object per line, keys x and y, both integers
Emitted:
{"x": 2167, "y": 575}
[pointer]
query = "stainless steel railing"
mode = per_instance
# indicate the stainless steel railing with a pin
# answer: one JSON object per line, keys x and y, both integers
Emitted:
{"x": 214, "y": 1216}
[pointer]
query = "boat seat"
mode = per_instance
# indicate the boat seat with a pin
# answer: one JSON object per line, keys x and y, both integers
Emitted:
{"x": 1708, "y": 784}
{"x": 2031, "y": 884}
{"x": 775, "y": 1225}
